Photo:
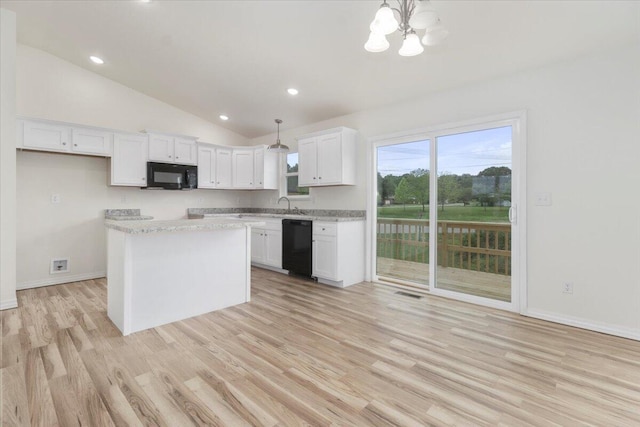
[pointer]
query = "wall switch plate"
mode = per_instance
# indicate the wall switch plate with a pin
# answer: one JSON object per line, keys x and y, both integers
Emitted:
{"x": 543, "y": 199}
{"x": 55, "y": 198}
{"x": 567, "y": 288}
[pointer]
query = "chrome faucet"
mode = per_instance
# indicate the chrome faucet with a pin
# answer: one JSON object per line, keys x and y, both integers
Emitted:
{"x": 288, "y": 202}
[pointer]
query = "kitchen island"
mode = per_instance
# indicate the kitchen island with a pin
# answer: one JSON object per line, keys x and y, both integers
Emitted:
{"x": 164, "y": 271}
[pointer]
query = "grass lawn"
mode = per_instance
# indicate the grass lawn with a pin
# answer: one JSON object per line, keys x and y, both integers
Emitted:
{"x": 450, "y": 213}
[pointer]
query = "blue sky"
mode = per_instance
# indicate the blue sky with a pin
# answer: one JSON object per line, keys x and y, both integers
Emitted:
{"x": 462, "y": 153}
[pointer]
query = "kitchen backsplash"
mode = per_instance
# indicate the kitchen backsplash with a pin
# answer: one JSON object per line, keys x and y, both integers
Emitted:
{"x": 310, "y": 212}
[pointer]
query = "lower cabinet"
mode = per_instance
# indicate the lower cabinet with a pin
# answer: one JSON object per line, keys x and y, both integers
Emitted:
{"x": 266, "y": 244}
{"x": 338, "y": 252}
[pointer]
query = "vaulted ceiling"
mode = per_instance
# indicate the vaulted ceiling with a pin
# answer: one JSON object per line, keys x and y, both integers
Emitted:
{"x": 239, "y": 57}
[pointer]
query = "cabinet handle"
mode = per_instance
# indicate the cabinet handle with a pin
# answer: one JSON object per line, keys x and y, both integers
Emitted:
{"x": 251, "y": 183}
{"x": 314, "y": 177}
{"x": 144, "y": 179}
{"x": 323, "y": 229}
{"x": 64, "y": 143}
{"x": 75, "y": 145}
{"x": 177, "y": 157}
{"x": 169, "y": 156}
{"x": 319, "y": 177}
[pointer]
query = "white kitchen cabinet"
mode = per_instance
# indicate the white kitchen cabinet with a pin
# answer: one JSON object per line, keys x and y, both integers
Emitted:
{"x": 266, "y": 243}
{"x": 186, "y": 151}
{"x": 129, "y": 160}
{"x": 166, "y": 148}
{"x": 243, "y": 168}
{"x": 214, "y": 166}
{"x": 327, "y": 158}
{"x": 206, "y": 167}
{"x": 337, "y": 253}
{"x": 64, "y": 138}
{"x": 91, "y": 141}
{"x": 46, "y": 136}
{"x": 223, "y": 168}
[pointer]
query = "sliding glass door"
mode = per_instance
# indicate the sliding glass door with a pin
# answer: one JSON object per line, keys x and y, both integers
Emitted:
{"x": 446, "y": 211}
{"x": 473, "y": 202}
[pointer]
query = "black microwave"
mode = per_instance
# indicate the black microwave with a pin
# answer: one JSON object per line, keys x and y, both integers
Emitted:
{"x": 172, "y": 177}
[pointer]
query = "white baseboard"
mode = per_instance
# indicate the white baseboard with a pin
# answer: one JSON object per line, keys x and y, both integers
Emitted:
{"x": 10, "y": 303}
{"x": 59, "y": 280}
{"x": 630, "y": 333}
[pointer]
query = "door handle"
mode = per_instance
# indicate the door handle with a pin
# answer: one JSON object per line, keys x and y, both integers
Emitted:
{"x": 512, "y": 215}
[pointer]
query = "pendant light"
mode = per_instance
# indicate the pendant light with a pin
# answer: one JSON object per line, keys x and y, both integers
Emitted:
{"x": 278, "y": 147}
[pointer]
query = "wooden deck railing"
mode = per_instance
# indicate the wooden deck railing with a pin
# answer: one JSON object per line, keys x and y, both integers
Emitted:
{"x": 479, "y": 246}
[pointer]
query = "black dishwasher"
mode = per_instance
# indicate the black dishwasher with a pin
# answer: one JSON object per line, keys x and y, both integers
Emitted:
{"x": 296, "y": 246}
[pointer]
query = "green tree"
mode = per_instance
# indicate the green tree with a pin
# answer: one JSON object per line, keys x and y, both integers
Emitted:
{"x": 403, "y": 192}
{"x": 447, "y": 188}
{"x": 418, "y": 181}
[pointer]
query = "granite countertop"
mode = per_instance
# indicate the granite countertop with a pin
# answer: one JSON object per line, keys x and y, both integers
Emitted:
{"x": 147, "y": 227}
{"x": 280, "y": 216}
{"x": 125, "y": 215}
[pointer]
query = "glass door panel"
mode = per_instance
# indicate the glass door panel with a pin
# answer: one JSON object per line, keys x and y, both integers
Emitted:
{"x": 402, "y": 227}
{"x": 474, "y": 198}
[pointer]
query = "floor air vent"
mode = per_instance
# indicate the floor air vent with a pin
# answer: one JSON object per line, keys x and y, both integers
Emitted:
{"x": 406, "y": 294}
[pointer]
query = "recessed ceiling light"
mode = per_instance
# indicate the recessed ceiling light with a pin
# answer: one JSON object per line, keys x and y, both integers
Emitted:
{"x": 145, "y": 1}
{"x": 96, "y": 60}
{"x": 292, "y": 91}
{"x": 223, "y": 117}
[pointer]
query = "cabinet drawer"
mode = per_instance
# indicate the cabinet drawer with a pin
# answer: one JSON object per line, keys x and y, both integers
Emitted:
{"x": 325, "y": 229}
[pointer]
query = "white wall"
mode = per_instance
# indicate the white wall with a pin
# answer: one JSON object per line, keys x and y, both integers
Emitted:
{"x": 51, "y": 88}
{"x": 7, "y": 159}
{"x": 583, "y": 119}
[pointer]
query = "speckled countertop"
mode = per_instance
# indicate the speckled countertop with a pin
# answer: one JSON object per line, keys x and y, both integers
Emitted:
{"x": 280, "y": 216}
{"x": 125, "y": 215}
{"x": 147, "y": 227}
{"x": 310, "y": 214}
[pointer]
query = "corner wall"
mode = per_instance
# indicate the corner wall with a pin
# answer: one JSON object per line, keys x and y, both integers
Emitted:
{"x": 7, "y": 159}
{"x": 51, "y": 88}
{"x": 582, "y": 146}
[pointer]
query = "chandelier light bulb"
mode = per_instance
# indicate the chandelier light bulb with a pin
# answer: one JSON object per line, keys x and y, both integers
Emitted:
{"x": 424, "y": 16}
{"x": 411, "y": 46}
{"x": 385, "y": 22}
{"x": 435, "y": 34}
{"x": 376, "y": 43}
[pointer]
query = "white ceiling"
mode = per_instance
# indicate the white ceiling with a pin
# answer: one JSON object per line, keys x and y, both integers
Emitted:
{"x": 239, "y": 57}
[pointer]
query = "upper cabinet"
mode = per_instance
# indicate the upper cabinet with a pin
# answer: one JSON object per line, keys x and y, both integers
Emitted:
{"x": 167, "y": 148}
{"x": 255, "y": 168}
{"x": 327, "y": 158}
{"x": 46, "y": 135}
{"x": 129, "y": 160}
{"x": 214, "y": 167}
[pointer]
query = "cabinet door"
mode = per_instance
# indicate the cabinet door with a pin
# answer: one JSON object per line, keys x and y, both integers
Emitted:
{"x": 257, "y": 245}
{"x": 46, "y": 136}
{"x": 129, "y": 160}
{"x": 242, "y": 168}
{"x": 185, "y": 151}
{"x": 91, "y": 141}
{"x": 307, "y": 162}
{"x": 206, "y": 167}
{"x": 258, "y": 168}
{"x": 324, "y": 253}
{"x": 273, "y": 248}
{"x": 223, "y": 168}
{"x": 329, "y": 159}
{"x": 161, "y": 148}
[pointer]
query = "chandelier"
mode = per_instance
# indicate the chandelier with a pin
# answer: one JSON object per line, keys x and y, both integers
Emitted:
{"x": 414, "y": 15}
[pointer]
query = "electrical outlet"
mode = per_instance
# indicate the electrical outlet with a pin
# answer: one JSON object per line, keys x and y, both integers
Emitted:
{"x": 55, "y": 199}
{"x": 567, "y": 288}
{"x": 543, "y": 199}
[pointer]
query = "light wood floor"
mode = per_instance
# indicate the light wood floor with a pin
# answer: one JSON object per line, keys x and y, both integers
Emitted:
{"x": 307, "y": 354}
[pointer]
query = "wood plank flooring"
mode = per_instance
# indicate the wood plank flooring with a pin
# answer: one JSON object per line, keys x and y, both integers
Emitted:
{"x": 307, "y": 354}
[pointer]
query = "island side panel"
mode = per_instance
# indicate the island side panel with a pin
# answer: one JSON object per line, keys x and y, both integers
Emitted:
{"x": 183, "y": 274}
{"x": 116, "y": 260}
